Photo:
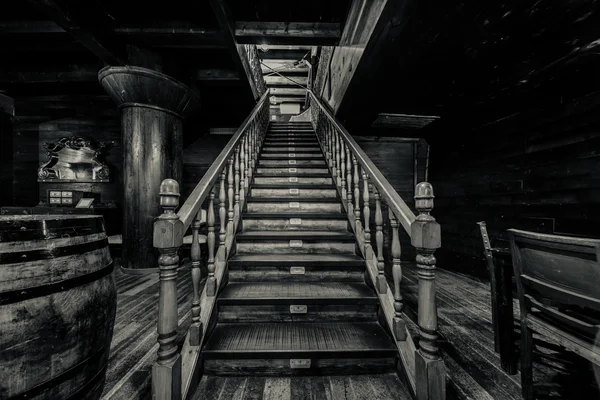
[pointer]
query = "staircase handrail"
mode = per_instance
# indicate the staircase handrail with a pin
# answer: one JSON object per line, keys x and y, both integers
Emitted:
{"x": 348, "y": 163}
{"x": 193, "y": 203}
{"x": 226, "y": 184}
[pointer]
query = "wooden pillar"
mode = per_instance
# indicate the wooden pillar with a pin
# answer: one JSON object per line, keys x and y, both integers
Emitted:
{"x": 152, "y": 107}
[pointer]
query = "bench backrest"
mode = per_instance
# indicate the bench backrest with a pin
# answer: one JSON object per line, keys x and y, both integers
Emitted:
{"x": 558, "y": 278}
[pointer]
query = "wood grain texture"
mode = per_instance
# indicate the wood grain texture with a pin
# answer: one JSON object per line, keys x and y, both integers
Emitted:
{"x": 352, "y": 387}
{"x": 58, "y": 301}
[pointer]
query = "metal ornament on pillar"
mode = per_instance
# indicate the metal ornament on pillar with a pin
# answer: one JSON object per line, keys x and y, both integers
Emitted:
{"x": 152, "y": 106}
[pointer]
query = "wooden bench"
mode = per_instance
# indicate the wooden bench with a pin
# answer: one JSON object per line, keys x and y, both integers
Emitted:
{"x": 558, "y": 284}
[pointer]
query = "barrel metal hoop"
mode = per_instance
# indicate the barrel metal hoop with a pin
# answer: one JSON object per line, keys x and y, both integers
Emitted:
{"x": 15, "y": 296}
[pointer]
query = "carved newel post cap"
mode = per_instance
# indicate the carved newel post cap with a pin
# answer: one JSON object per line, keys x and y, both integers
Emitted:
{"x": 424, "y": 197}
{"x": 169, "y": 194}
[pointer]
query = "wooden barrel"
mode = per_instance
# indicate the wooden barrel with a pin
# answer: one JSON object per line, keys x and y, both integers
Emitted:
{"x": 57, "y": 306}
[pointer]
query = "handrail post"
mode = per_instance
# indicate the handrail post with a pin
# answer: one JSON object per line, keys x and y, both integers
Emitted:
{"x": 430, "y": 373}
{"x": 167, "y": 238}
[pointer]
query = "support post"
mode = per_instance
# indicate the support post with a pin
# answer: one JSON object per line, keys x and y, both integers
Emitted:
{"x": 430, "y": 373}
{"x": 152, "y": 107}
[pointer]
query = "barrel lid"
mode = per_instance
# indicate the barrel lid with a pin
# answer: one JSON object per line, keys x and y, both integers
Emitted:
{"x": 36, "y": 227}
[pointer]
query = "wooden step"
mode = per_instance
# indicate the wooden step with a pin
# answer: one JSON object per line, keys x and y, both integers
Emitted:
{"x": 294, "y": 221}
{"x": 248, "y": 293}
{"x": 302, "y": 180}
{"x": 292, "y": 205}
{"x": 291, "y": 163}
{"x": 300, "y": 191}
{"x": 291, "y": 142}
{"x": 292, "y": 170}
{"x": 267, "y": 348}
{"x": 297, "y": 302}
{"x": 296, "y": 268}
{"x": 298, "y": 149}
{"x": 289, "y": 155}
{"x": 296, "y": 242}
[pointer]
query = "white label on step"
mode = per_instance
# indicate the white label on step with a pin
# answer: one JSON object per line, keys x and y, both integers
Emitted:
{"x": 295, "y": 243}
{"x": 294, "y": 191}
{"x": 298, "y": 309}
{"x": 300, "y": 363}
{"x": 295, "y": 221}
{"x": 292, "y": 170}
{"x": 291, "y": 134}
{"x": 297, "y": 271}
{"x": 292, "y": 149}
{"x": 292, "y": 161}
{"x": 292, "y": 155}
{"x": 294, "y": 204}
{"x": 293, "y": 179}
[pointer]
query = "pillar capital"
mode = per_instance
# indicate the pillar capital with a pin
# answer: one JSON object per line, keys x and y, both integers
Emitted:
{"x": 131, "y": 86}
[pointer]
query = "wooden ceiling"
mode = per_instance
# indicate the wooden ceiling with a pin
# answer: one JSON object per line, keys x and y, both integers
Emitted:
{"x": 56, "y": 47}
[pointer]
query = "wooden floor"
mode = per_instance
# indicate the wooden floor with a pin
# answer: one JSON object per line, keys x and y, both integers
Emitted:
{"x": 356, "y": 387}
{"x": 464, "y": 324}
{"x": 133, "y": 348}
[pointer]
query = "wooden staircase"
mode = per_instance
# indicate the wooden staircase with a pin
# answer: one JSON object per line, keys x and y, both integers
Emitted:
{"x": 296, "y": 301}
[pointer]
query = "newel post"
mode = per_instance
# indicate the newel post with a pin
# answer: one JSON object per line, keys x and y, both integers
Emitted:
{"x": 167, "y": 238}
{"x": 430, "y": 374}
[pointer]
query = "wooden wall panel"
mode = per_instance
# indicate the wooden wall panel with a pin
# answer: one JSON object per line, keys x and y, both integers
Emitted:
{"x": 6, "y": 160}
{"x": 532, "y": 171}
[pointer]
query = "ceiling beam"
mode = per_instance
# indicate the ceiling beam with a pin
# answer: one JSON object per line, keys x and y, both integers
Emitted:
{"x": 85, "y": 37}
{"x": 216, "y": 75}
{"x": 283, "y": 54}
{"x": 89, "y": 73}
{"x": 279, "y": 33}
{"x": 173, "y": 35}
{"x": 292, "y": 91}
{"x": 271, "y": 80}
{"x": 73, "y": 74}
{"x": 237, "y": 51}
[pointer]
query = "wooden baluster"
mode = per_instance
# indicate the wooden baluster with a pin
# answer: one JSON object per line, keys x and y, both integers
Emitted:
{"x": 349, "y": 180}
{"x": 425, "y": 237}
{"x": 381, "y": 283}
{"x": 195, "y": 257}
{"x": 230, "y": 194}
{"x": 247, "y": 164}
{"x": 367, "y": 215}
{"x": 167, "y": 238}
{"x": 252, "y": 155}
{"x": 211, "y": 282}
{"x": 236, "y": 185}
{"x": 335, "y": 172}
{"x": 357, "y": 223}
{"x": 398, "y": 324}
{"x": 338, "y": 158}
{"x": 342, "y": 167}
{"x": 330, "y": 144}
{"x": 243, "y": 170}
{"x": 222, "y": 211}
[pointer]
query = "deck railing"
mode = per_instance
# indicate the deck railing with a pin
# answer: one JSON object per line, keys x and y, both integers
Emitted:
{"x": 356, "y": 176}
{"x": 225, "y": 182}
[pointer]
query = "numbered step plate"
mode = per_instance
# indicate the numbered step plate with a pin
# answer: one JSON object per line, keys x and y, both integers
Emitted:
{"x": 291, "y": 155}
{"x": 295, "y": 221}
{"x": 295, "y": 243}
{"x": 293, "y": 170}
{"x": 298, "y": 309}
{"x": 293, "y": 179}
{"x": 300, "y": 363}
{"x": 294, "y": 191}
{"x": 291, "y": 149}
{"x": 297, "y": 271}
{"x": 294, "y": 204}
